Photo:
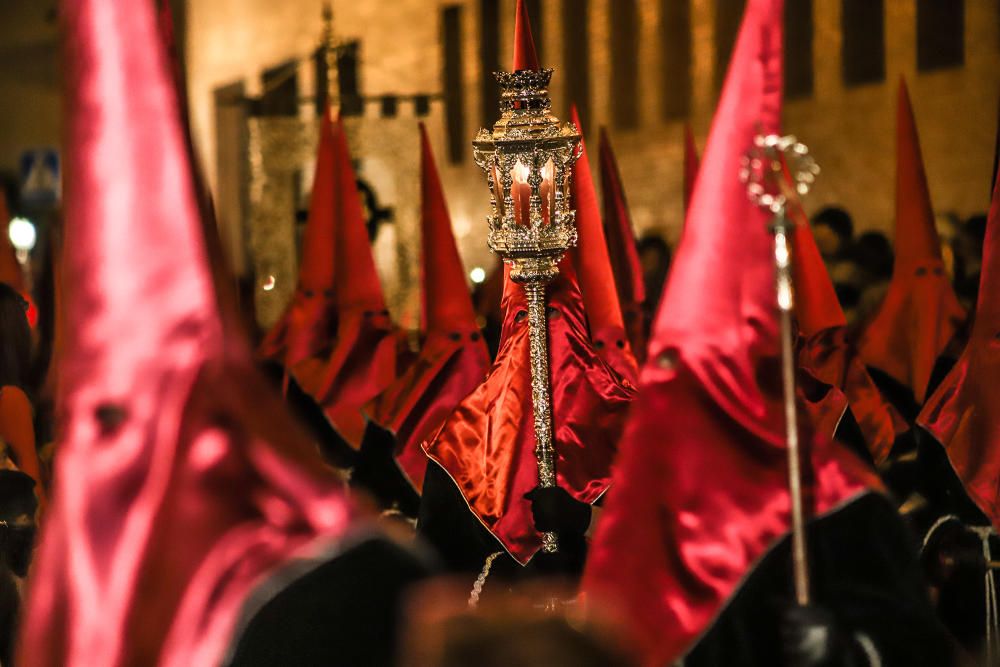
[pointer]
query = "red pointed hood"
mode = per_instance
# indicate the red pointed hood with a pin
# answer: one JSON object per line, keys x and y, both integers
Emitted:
{"x": 360, "y": 361}
{"x": 445, "y": 302}
{"x": 525, "y": 56}
{"x": 622, "y": 252}
{"x": 308, "y": 324}
{"x": 920, "y": 312}
{"x": 963, "y": 414}
{"x": 357, "y": 283}
{"x": 700, "y": 489}
{"x": 181, "y": 488}
{"x": 690, "y": 165}
{"x": 816, "y": 304}
{"x": 453, "y": 358}
{"x": 487, "y": 444}
{"x": 10, "y": 268}
{"x": 593, "y": 267}
{"x": 826, "y": 354}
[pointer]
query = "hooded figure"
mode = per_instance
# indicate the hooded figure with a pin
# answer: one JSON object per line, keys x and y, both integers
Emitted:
{"x": 453, "y": 358}
{"x": 309, "y": 323}
{"x": 920, "y": 313}
{"x": 187, "y": 504}
{"x": 480, "y": 496}
{"x": 691, "y": 549}
{"x": 336, "y": 339}
{"x": 961, "y": 417}
{"x": 622, "y": 251}
{"x": 593, "y": 268}
{"x": 825, "y": 352}
{"x": 962, "y": 413}
{"x": 363, "y": 360}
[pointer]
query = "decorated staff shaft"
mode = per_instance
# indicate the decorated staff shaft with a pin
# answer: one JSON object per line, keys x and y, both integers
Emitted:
{"x": 541, "y": 401}
{"x": 766, "y": 170}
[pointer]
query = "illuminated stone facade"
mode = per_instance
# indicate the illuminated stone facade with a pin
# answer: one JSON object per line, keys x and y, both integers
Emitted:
{"x": 850, "y": 129}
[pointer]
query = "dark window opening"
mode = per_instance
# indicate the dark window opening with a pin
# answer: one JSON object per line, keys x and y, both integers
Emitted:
{"x": 454, "y": 102}
{"x": 863, "y": 45}
{"x": 675, "y": 44}
{"x": 940, "y": 34}
{"x": 728, "y": 14}
{"x": 625, "y": 64}
{"x": 280, "y": 96}
{"x": 576, "y": 55}
{"x": 489, "y": 59}
{"x": 798, "y": 48}
{"x": 348, "y": 81}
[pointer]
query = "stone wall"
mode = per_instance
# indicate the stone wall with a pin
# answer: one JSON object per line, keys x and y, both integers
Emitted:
{"x": 850, "y": 130}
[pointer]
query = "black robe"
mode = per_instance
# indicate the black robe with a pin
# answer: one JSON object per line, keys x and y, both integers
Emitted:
{"x": 463, "y": 543}
{"x": 863, "y": 569}
{"x": 347, "y": 612}
{"x": 373, "y": 468}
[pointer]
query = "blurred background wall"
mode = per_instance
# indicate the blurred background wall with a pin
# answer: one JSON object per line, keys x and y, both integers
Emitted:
{"x": 642, "y": 68}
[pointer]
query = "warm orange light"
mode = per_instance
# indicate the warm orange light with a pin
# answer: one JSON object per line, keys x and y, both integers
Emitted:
{"x": 521, "y": 192}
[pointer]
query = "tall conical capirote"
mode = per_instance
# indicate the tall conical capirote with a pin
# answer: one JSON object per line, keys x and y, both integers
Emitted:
{"x": 453, "y": 358}
{"x": 593, "y": 269}
{"x": 920, "y": 313}
{"x": 148, "y": 554}
{"x": 700, "y": 491}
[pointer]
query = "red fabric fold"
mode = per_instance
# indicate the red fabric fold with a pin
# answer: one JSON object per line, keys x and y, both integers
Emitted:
{"x": 181, "y": 485}
{"x": 700, "y": 487}
{"x": 963, "y": 414}
{"x": 487, "y": 444}
{"x": 920, "y": 313}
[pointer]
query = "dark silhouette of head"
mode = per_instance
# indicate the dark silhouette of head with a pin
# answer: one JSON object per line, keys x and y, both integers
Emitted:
{"x": 873, "y": 253}
{"x": 833, "y": 229}
{"x": 15, "y": 337}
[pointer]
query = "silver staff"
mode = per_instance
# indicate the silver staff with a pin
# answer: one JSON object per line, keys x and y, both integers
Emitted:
{"x": 768, "y": 167}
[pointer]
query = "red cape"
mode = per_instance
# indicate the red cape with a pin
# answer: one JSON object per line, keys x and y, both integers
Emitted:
{"x": 487, "y": 445}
